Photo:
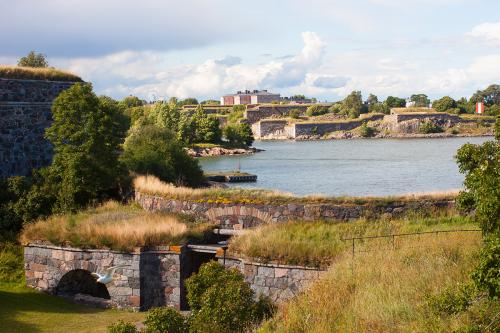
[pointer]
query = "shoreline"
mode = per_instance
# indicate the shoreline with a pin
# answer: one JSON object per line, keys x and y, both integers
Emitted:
{"x": 221, "y": 151}
{"x": 381, "y": 137}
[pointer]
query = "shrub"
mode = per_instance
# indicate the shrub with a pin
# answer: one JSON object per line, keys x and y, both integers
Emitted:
{"x": 316, "y": 110}
{"x": 122, "y": 327}
{"x": 452, "y": 300}
{"x": 294, "y": 114}
{"x": 429, "y": 127}
{"x": 153, "y": 150}
{"x": 33, "y": 59}
{"x": 221, "y": 301}
{"x": 366, "y": 131}
{"x": 487, "y": 274}
{"x": 239, "y": 134}
{"x": 165, "y": 320}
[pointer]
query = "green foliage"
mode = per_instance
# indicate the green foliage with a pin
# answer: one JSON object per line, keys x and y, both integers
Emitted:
{"x": 239, "y": 107}
{"x": 165, "y": 320}
{"x": 206, "y": 127}
{"x": 481, "y": 166}
{"x": 86, "y": 135}
{"x": 395, "y": 102}
{"x": 188, "y": 101}
{"x": 421, "y": 100}
{"x": 122, "y": 327}
{"x": 366, "y": 131}
{"x": 487, "y": 274}
{"x": 235, "y": 116}
{"x": 372, "y": 100}
{"x": 221, "y": 301}
{"x": 490, "y": 95}
{"x": 294, "y": 114}
{"x": 131, "y": 102}
{"x": 33, "y": 59}
{"x": 444, "y": 104}
{"x": 429, "y": 127}
{"x": 153, "y": 150}
{"x": 452, "y": 300}
{"x": 353, "y": 104}
{"x": 210, "y": 102}
{"x": 316, "y": 110}
{"x": 239, "y": 134}
{"x": 335, "y": 108}
{"x": 11, "y": 262}
{"x": 380, "y": 108}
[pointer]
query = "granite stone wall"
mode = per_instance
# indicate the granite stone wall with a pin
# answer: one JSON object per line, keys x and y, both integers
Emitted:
{"x": 278, "y": 282}
{"x": 270, "y": 129}
{"x": 323, "y": 128}
{"x": 235, "y": 215}
{"x": 25, "y": 113}
{"x": 151, "y": 277}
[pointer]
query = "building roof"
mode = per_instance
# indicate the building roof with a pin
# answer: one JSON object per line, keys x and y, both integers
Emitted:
{"x": 252, "y": 92}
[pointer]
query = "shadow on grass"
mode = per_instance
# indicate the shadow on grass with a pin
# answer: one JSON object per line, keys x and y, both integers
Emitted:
{"x": 17, "y": 301}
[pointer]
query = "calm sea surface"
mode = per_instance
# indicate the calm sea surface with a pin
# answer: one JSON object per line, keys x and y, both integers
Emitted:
{"x": 351, "y": 167}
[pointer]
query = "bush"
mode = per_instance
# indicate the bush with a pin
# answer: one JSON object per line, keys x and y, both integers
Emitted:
{"x": 452, "y": 300}
{"x": 444, "y": 104}
{"x": 122, "y": 327}
{"x": 429, "y": 127}
{"x": 316, "y": 110}
{"x": 366, "y": 131}
{"x": 239, "y": 134}
{"x": 487, "y": 274}
{"x": 294, "y": 114}
{"x": 221, "y": 301}
{"x": 153, "y": 150}
{"x": 165, "y": 320}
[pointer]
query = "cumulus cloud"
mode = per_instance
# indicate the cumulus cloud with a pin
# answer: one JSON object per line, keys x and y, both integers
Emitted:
{"x": 488, "y": 32}
{"x": 229, "y": 61}
{"x": 330, "y": 81}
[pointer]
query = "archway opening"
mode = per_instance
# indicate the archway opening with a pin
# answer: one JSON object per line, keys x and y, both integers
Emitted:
{"x": 80, "y": 281}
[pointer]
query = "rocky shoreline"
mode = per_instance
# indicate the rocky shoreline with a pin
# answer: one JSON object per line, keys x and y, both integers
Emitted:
{"x": 350, "y": 135}
{"x": 220, "y": 151}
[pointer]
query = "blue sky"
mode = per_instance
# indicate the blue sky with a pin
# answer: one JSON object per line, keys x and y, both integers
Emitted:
{"x": 322, "y": 48}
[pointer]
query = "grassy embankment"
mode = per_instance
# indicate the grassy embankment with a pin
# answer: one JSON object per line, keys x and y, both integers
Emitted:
{"x": 391, "y": 291}
{"x": 152, "y": 185}
{"x": 114, "y": 226}
{"x": 30, "y": 73}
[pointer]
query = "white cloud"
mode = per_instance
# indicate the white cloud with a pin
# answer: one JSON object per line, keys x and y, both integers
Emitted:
{"x": 488, "y": 32}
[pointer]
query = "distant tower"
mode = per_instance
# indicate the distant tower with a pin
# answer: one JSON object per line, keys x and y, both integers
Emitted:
{"x": 479, "y": 107}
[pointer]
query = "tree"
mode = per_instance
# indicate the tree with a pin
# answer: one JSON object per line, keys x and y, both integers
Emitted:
{"x": 444, "y": 104}
{"x": 153, "y": 150}
{"x": 206, "y": 127}
{"x": 380, "y": 108}
{"x": 86, "y": 136}
{"x": 239, "y": 134}
{"x": 395, "y": 102}
{"x": 372, "y": 99}
{"x": 421, "y": 100}
{"x": 353, "y": 104}
{"x": 188, "y": 101}
{"x": 490, "y": 96}
{"x": 33, "y": 59}
{"x": 131, "y": 101}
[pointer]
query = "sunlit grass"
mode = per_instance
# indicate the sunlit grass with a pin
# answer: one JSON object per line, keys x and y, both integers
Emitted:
{"x": 31, "y": 73}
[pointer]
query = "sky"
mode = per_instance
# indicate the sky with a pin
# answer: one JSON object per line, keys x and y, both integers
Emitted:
{"x": 156, "y": 49}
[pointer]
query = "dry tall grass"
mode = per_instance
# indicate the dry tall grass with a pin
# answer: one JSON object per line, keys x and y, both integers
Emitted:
{"x": 30, "y": 73}
{"x": 320, "y": 243}
{"x": 384, "y": 290}
{"x": 152, "y": 185}
{"x": 112, "y": 226}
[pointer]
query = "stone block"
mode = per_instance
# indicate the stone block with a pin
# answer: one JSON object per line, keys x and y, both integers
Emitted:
{"x": 266, "y": 271}
{"x": 135, "y": 301}
{"x": 280, "y": 272}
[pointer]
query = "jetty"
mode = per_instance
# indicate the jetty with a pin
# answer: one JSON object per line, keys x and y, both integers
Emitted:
{"x": 231, "y": 177}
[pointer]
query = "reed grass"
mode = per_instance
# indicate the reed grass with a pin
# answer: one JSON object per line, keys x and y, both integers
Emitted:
{"x": 319, "y": 244}
{"x": 31, "y": 73}
{"x": 113, "y": 226}
{"x": 152, "y": 185}
{"x": 384, "y": 290}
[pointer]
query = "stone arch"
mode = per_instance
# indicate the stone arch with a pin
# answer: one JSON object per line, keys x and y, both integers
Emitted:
{"x": 243, "y": 216}
{"x": 80, "y": 281}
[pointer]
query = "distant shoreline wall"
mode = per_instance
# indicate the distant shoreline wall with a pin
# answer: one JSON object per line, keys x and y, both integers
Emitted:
{"x": 234, "y": 215}
{"x": 25, "y": 113}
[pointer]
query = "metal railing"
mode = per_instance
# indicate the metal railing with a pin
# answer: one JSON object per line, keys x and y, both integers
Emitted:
{"x": 393, "y": 236}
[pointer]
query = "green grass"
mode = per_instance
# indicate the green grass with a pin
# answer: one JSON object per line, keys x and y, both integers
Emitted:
{"x": 23, "y": 310}
{"x": 320, "y": 243}
{"x": 29, "y": 73}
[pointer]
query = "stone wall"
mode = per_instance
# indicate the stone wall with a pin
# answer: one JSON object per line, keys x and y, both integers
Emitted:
{"x": 323, "y": 128}
{"x": 25, "y": 113}
{"x": 152, "y": 277}
{"x": 278, "y": 282}
{"x": 270, "y": 129}
{"x": 234, "y": 215}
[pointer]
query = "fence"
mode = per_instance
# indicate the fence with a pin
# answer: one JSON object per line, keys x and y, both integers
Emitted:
{"x": 393, "y": 236}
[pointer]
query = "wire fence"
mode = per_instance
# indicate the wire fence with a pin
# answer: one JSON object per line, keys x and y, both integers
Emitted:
{"x": 392, "y": 237}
